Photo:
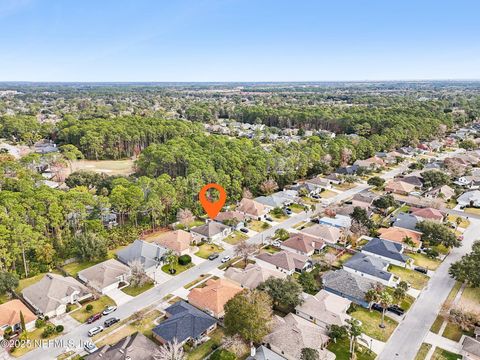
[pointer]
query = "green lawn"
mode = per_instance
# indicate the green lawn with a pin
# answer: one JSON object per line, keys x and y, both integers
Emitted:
{"x": 201, "y": 352}
{"x": 424, "y": 261}
{"x": 34, "y": 336}
{"x": 327, "y": 194}
{"x": 270, "y": 249}
{"x": 342, "y": 259}
{"x": 137, "y": 290}
{"x": 81, "y": 315}
{"x": 406, "y": 303}
{"x": 453, "y": 293}
{"x": 414, "y": 278}
{"x": 441, "y": 354}
{"x": 75, "y": 267}
{"x": 423, "y": 351}
{"x": 297, "y": 208}
{"x": 235, "y": 238}
{"x": 258, "y": 226}
{"x": 196, "y": 281}
{"x": 341, "y": 348}
{"x": 179, "y": 268}
{"x": 205, "y": 250}
{"x": 437, "y": 324}
{"x": 454, "y": 332}
{"x": 470, "y": 300}
{"x": 371, "y": 321}
{"x": 453, "y": 219}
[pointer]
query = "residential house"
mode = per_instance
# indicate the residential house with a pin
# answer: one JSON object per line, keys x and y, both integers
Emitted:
{"x": 264, "y": 353}
{"x": 399, "y": 234}
{"x": 252, "y": 209}
{"x": 278, "y": 199}
{"x": 470, "y": 348}
{"x": 292, "y": 333}
{"x": 178, "y": 241}
{"x": 386, "y": 250}
{"x": 335, "y": 178}
{"x": 348, "y": 285}
{"x": 430, "y": 214}
{"x": 133, "y": 347}
{"x": 405, "y": 221}
{"x": 470, "y": 198}
{"x": 105, "y": 276}
{"x": 364, "y": 199}
{"x": 444, "y": 192}
{"x": 309, "y": 189}
{"x": 347, "y": 170}
{"x": 324, "y": 309}
{"x": 339, "y": 221}
{"x": 235, "y": 219}
{"x": 252, "y": 276}
{"x": 372, "y": 163}
{"x": 399, "y": 187}
{"x": 213, "y": 296}
{"x": 150, "y": 255}
{"x": 10, "y": 317}
{"x": 323, "y": 232}
{"x": 51, "y": 295}
{"x": 415, "y": 180}
{"x": 184, "y": 323}
{"x": 303, "y": 244}
{"x": 284, "y": 261}
{"x": 370, "y": 267}
{"x": 319, "y": 183}
{"x": 211, "y": 231}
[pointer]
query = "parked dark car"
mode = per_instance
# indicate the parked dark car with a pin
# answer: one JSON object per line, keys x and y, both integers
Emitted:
{"x": 93, "y": 318}
{"x": 396, "y": 310}
{"x": 244, "y": 230}
{"x": 316, "y": 221}
{"x": 213, "y": 256}
{"x": 377, "y": 307}
{"x": 109, "y": 322}
{"x": 421, "y": 269}
{"x": 269, "y": 219}
{"x": 288, "y": 212}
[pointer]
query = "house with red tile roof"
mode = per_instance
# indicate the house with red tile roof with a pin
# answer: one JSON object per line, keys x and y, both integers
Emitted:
{"x": 213, "y": 296}
{"x": 10, "y": 316}
{"x": 398, "y": 235}
{"x": 303, "y": 244}
{"x": 427, "y": 214}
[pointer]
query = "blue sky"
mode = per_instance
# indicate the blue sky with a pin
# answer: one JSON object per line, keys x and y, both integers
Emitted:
{"x": 238, "y": 40}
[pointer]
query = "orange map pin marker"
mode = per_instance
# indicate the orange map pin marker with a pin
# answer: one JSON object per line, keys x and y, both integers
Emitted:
{"x": 212, "y": 208}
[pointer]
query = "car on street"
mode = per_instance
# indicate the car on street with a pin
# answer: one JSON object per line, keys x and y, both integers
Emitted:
{"x": 213, "y": 256}
{"x": 110, "y": 321}
{"x": 94, "y": 318}
{"x": 94, "y": 331}
{"x": 90, "y": 347}
{"x": 225, "y": 259}
{"x": 421, "y": 269}
{"x": 109, "y": 310}
{"x": 269, "y": 219}
{"x": 244, "y": 230}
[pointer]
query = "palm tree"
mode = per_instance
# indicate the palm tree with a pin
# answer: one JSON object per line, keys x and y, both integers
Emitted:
{"x": 171, "y": 259}
{"x": 371, "y": 296}
{"x": 354, "y": 331}
{"x": 384, "y": 300}
{"x": 407, "y": 240}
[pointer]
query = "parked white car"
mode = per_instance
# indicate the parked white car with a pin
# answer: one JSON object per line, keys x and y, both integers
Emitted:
{"x": 94, "y": 331}
{"x": 225, "y": 259}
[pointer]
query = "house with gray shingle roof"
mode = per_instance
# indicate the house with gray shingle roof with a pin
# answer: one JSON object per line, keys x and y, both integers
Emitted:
{"x": 150, "y": 255}
{"x": 284, "y": 261}
{"x": 211, "y": 231}
{"x": 386, "y": 250}
{"x": 51, "y": 295}
{"x": 106, "y": 275}
{"x": 370, "y": 267}
{"x": 348, "y": 285}
{"x": 184, "y": 322}
{"x": 132, "y": 347}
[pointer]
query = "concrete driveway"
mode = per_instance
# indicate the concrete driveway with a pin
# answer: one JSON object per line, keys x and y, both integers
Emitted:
{"x": 119, "y": 296}
{"x": 67, "y": 321}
